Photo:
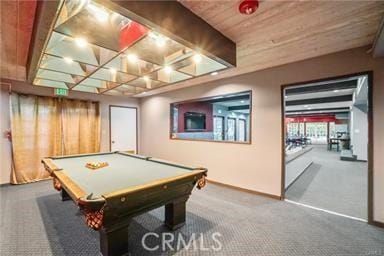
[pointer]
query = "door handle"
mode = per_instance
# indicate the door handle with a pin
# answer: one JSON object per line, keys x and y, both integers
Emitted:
{"x": 113, "y": 142}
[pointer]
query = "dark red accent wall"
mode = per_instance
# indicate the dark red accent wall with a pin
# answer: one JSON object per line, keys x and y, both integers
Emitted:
{"x": 198, "y": 107}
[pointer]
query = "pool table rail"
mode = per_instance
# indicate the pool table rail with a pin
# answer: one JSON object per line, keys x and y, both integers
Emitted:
{"x": 70, "y": 186}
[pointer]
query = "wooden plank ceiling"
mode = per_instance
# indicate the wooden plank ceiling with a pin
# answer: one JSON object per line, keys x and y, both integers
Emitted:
{"x": 16, "y": 28}
{"x": 279, "y": 32}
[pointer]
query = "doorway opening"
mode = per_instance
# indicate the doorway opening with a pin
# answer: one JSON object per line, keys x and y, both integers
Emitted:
{"x": 327, "y": 147}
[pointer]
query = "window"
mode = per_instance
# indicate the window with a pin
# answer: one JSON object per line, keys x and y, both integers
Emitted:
{"x": 219, "y": 118}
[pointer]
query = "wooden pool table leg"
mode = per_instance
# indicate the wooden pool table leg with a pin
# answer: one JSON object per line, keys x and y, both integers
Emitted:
{"x": 64, "y": 195}
{"x": 175, "y": 214}
{"x": 114, "y": 242}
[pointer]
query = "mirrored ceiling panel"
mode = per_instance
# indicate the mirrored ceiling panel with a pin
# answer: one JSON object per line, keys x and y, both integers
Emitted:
{"x": 112, "y": 75}
{"x": 97, "y": 25}
{"x": 169, "y": 75}
{"x": 94, "y": 49}
{"x": 51, "y": 83}
{"x": 66, "y": 65}
{"x": 96, "y": 83}
{"x": 58, "y": 76}
{"x": 125, "y": 89}
{"x": 78, "y": 49}
{"x": 158, "y": 49}
{"x": 198, "y": 65}
{"x": 130, "y": 63}
{"x": 83, "y": 88}
{"x": 146, "y": 82}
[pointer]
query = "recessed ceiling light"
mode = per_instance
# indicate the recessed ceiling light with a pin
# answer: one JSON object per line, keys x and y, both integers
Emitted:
{"x": 112, "y": 70}
{"x": 168, "y": 69}
{"x": 241, "y": 101}
{"x": 100, "y": 14}
{"x": 306, "y": 106}
{"x": 214, "y": 73}
{"x": 197, "y": 58}
{"x": 81, "y": 41}
{"x": 146, "y": 78}
{"x": 309, "y": 108}
{"x": 132, "y": 58}
{"x": 68, "y": 60}
{"x": 160, "y": 41}
{"x": 335, "y": 90}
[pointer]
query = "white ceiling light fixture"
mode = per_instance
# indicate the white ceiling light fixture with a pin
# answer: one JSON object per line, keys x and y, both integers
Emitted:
{"x": 197, "y": 58}
{"x": 132, "y": 58}
{"x": 160, "y": 41}
{"x": 68, "y": 60}
{"x": 100, "y": 14}
{"x": 168, "y": 69}
{"x": 81, "y": 42}
{"x": 336, "y": 90}
{"x": 146, "y": 78}
{"x": 112, "y": 70}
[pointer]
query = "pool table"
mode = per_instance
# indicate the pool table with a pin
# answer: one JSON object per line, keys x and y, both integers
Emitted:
{"x": 111, "y": 196}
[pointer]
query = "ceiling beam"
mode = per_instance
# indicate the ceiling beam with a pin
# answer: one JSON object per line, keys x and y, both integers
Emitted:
{"x": 319, "y": 100}
{"x": 172, "y": 19}
{"x": 46, "y": 11}
{"x": 226, "y": 99}
{"x": 242, "y": 107}
{"x": 318, "y": 109}
{"x": 317, "y": 114}
{"x": 350, "y": 84}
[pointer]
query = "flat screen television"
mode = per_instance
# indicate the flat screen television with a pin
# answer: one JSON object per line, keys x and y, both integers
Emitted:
{"x": 194, "y": 121}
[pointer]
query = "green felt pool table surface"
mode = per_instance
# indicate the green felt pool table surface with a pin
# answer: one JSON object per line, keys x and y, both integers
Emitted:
{"x": 123, "y": 171}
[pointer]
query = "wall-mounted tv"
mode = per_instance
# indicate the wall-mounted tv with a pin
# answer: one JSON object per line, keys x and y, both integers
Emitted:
{"x": 194, "y": 121}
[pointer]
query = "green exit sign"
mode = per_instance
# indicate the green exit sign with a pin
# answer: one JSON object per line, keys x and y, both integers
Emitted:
{"x": 61, "y": 92}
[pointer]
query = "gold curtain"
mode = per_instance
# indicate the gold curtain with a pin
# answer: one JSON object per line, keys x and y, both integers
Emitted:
{"x": 43, "y": 126}
{"x": 81, "y": 127}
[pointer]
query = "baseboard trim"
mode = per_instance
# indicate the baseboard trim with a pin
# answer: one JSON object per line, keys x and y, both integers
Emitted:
{"x": 244, "y": 189}
{"x": 5, "y": 184}
{"x": 377, "y": 224}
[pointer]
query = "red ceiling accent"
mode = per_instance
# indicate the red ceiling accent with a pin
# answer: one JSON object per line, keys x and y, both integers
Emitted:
{"x": 311, "y": 119}
{"x": 132, "y": 32}
{"x": 248, "y": 7}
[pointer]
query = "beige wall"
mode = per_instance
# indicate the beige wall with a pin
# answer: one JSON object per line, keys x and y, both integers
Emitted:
{"x": 258, "y": 166}
{"x": 105, "y": 101}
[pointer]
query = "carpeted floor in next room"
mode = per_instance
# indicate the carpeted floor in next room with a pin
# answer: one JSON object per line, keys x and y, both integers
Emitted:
{"x": 34, "y": 221}
{"x": 332, "y": 184}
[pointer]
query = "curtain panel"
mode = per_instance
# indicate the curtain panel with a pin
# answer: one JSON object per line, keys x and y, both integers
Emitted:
{"x": 46, "y": 126}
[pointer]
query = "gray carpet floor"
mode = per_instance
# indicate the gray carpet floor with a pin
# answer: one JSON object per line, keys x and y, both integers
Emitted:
{"x": 332, "y": 184}
{"x": 34, "y": 221}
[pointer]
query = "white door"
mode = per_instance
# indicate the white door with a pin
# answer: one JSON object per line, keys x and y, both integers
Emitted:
{"x": 123, "y": 128}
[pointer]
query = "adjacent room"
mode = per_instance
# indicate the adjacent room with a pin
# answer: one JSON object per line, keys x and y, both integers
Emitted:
{"x": 326, "y": 145}
{"x": 191, "y": 127}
